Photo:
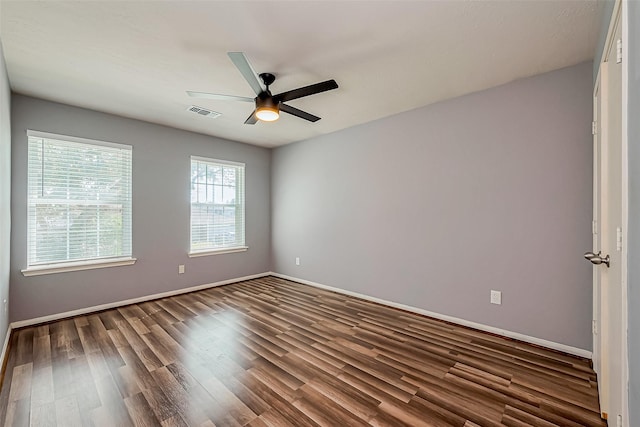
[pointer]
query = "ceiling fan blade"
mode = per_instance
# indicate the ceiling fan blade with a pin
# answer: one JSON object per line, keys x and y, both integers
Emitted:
{"x": 218, "y": 97}
{"x": 307, "y": 90}
{"x": 242, "y": 63}
{"x": 252, "y": 119}
{"x": 298, "y": 113}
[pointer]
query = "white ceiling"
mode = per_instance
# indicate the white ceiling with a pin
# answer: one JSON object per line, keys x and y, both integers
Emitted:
{"x": 137, "y": 59}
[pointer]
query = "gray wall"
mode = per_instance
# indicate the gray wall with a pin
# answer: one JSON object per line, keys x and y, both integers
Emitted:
{"x": 5, "y": 192}
{"x": 437, "y": 206}
{"x": 634, "y": 213}
{"x": 161, "y": 195}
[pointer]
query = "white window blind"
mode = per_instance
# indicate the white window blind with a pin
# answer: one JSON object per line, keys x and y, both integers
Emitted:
{"x": 217, "y": 205}
{"x": 79, "y": 201}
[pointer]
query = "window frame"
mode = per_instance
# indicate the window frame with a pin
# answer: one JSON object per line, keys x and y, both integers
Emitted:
{"x": 36, "y": 269}
{"x": 239, "y": 247}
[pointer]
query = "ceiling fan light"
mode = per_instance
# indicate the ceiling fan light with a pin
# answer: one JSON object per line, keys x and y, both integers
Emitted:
{"x": 267, "y": 114}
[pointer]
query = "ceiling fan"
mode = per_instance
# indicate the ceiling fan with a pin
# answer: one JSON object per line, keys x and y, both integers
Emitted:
{"x": 268, "y": 106}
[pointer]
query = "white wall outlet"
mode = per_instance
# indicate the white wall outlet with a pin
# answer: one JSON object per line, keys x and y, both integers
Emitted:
{"x": 181, "y": 269}
{"x": 6, "y": 306}
{"x": 496, "y": 297}
{"x": 297, "y": 260}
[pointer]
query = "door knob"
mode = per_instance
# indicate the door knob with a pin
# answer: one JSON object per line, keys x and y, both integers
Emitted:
{"x": 597, "y": 259}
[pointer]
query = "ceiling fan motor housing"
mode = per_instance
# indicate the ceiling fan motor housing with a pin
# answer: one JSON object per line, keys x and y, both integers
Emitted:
{"x": 265, "y": 101}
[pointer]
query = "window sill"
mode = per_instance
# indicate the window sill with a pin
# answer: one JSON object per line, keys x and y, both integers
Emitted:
{"x": 76, "y": 266}
{"x": 218, "y": 251}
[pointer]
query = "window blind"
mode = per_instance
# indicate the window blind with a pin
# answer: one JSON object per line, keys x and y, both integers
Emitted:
{"x": 79, "y": 200}
{"x": 217, "y": 204}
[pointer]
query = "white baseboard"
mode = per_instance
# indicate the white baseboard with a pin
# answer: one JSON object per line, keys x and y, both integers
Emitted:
{"x": 95, "y": 308}
{"x": 503, "y": 332}
{"x": 5, "y": 347}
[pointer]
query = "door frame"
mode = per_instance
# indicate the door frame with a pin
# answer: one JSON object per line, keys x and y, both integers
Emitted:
{"x": 625, "y": 210}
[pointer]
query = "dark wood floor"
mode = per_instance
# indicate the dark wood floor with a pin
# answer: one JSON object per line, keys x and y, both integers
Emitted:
{"x": 269, "y": 352}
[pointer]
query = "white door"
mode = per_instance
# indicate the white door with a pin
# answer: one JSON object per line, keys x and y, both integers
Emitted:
{"x": 609, "y": 303}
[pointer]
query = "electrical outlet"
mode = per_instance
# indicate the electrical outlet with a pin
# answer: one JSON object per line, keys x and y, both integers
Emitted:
{"x": 181, "y": 269}
{"x": 6, "y": 306}
{"x": 496, "y": 297}
{"x": 297, "y": 260}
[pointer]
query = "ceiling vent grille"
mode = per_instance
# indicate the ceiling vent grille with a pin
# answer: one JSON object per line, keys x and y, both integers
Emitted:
{"x": 203, "y": 112}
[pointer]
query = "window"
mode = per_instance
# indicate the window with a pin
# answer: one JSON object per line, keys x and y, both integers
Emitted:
{"x": 217, "y": 206}
{"x": 79, "y": 204}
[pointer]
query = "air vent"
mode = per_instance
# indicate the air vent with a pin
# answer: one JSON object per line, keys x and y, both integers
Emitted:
{"x": 204, "y": 112}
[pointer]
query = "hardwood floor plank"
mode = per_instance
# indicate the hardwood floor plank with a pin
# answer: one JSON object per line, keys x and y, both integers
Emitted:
{"x": 18, "y": 413}
{"x": 515, "y": 416}
{"x": 176, "y": 421}
{"x": 85, "y": 391}
{"x": 412, "y": 416}
{"x": 8, "y": 371}
{"x": 112, "y": 410}
{"x": 67, "y": 413}
{"x": 274, "y": 383}
{"x": 88, "y": 341}
{"x": 140, "y": 412}
{"x": 161, "y": 406}
{"x": 247, "y": 396}
{"x": 42, "y": 391}
{"x": 447, "y": 416}
{"x": 108, "y": 350}
{"x": 43, "y": 415}
{"x": 24, "y": 347}
{"x": 273, "y": 353}
{"x": 286, "y": 415}
{"x": 374, "y": 387}
{"x": 21, "y": 383}
{"x": 324, "y": 411}
{"x": 347, "y": 397}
